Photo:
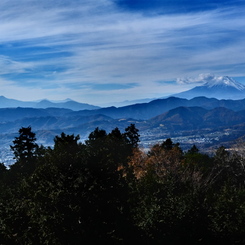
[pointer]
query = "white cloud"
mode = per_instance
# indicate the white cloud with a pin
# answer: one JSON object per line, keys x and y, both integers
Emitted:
{"x": 205, "y": 78}
{"x": 83, "y": 42}
{"x": 10, "y": 66}
{"x": 201, "y": 78}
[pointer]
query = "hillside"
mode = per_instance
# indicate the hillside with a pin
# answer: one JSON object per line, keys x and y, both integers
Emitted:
{"x": 192, "y": 118}
{"x": 182, "y": 120}
{"x": 154, "y": 108}
{"x": 206, "y": 122}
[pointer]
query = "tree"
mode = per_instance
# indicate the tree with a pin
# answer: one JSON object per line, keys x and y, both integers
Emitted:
{"x": 132, "y": 136}
{"x": 3, "y": 168}
{"x": 24, "y": 147}
{"x": 96, "y": 134}
{"x": 116, "y": 134}
{"x": 67, "y": 143}
{"x": 26, "y": 152}
{"x": 168, "y": 144}
{"x": 193, "y": 150}
{"x": 3, "y": 171}
{"x": 78, "y": 194}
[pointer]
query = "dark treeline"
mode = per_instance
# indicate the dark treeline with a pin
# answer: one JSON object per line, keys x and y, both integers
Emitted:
{"x": 107, "y": 190}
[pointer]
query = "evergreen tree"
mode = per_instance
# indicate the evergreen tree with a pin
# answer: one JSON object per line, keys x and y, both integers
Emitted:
{"x": 193, "y": 150}
{"x": 132, "y": 135}
{"x": 24, "y": 147}
{"x": 26, "y": 152}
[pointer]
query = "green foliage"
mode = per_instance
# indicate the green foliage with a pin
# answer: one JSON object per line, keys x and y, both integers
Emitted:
{"x": 3, "y": 170}
{"x": 24, "y": 146}
{"x": 132, "y": 136}
{"x": 167, "y": 144}
{"x": 26, "y": 152}
{"x": 107, "y": 190}
{"x": 193, "y": 149}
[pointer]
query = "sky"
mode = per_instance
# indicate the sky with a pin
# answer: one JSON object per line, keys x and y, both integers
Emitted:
{"x": 106, "y": 51}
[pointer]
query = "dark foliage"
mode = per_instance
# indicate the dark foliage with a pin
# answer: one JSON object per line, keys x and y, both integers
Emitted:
{"x": 107, "y": 190}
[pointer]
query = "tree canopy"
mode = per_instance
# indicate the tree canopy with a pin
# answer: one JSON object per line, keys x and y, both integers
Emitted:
{"x": 108, "y": 190}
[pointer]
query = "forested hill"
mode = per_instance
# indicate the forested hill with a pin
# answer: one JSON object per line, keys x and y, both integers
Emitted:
{"x": 106, "y": 190}
{"x": 226, "y": 123}
{"x": 154, "y": 108}
{"x": 191, "y": 118}
{"x": 208, "y": 121}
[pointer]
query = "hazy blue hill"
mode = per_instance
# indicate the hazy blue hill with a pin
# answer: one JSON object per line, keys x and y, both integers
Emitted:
{"x": 143, "y": 111}
{"x": 5, "y": 102}
{"x": 12, "y": 114}
{"x": 157, "y": 118}
{"x": 222, "y": 116}
{"x": 236, "y": 105}
{"x": 73, "y": 105}
{"x": 104, "y": 111}
{"x": 40, "y": 123}
{"x": 44, "y": 104}
{"x": 51, "y": 122}
{"x": 154, "y": 108}
{"x": 207, "y": 103}
{"x": 69, "y": 104}
{"x": 181, "y": 117}
{"x": 48, "y": 127}
{"x": 57, "y": 111}
{"x": 137, "y": 111}
{"x": 78, "y": 106}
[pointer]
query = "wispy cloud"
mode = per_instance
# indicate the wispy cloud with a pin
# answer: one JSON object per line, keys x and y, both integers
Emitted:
{"x": 202, "y": 78}
{"x": 90, "y": 48}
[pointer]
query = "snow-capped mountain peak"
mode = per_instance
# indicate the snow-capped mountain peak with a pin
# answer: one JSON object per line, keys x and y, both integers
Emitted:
{"x": 225, "y": 81}
{"x": 222, "y": 87}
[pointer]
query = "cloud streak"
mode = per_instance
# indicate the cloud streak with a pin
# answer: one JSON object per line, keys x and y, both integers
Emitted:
{"x": 201, "y": 79}
{"x": 91, "y": 48}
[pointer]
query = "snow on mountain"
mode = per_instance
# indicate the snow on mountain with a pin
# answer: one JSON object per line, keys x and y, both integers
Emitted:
{"x": 222, "y": 87}
{"x": 226, "y": 82}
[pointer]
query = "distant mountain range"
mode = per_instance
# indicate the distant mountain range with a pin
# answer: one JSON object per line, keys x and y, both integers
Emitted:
{"x": 143, "y": 111}
{"x": 49, "y": 122}
{"x": 68, "y": 104}
{"x": 210, "y": 120}
{"x": 222, "y": 88}
{"x": 146, "y": 111}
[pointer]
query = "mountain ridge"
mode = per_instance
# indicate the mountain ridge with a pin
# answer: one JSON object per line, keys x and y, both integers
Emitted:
{"x": 193, "y": 118}
{"x": 145, "y": 111}
{"x": 178, "y": 119}
{"x": 67, "y": 104}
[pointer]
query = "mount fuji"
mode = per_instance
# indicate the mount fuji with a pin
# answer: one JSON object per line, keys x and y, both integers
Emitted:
{"x": 220, "y": 88}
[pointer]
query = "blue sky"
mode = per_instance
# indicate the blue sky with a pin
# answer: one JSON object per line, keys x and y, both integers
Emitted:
{"x": 106, "y": 51}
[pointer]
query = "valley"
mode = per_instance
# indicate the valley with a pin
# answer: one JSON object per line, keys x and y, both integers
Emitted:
{"x": 195, "y": 117}
{"x": 206, "y": 128}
